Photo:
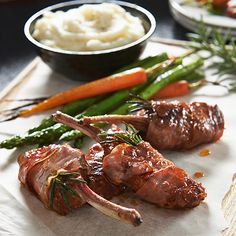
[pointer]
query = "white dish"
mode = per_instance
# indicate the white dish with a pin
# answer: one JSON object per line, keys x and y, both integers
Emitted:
{"x": 188, "y": 15}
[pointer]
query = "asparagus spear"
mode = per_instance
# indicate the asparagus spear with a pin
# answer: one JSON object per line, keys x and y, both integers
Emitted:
{"x": 146, "y": 62}
{"x": 53, "y": 133}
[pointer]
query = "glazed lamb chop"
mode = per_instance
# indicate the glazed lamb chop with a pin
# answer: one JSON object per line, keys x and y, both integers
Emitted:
{"x": 137, "y": 165}
{"x": 172, "y": 125}
{"x": 57, "y": 175}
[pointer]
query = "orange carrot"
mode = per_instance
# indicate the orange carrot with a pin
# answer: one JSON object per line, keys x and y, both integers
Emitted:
{"x": 176, "y": 89}
{"x": 108, "y": 84}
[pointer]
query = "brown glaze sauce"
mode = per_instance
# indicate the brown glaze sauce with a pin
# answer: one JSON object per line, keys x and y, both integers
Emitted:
{"x": 199, "y": 174}
{"x": 128, "y": 199}
{"x": 204, "y": 152}
{"x": 134, "y": 202}
{"x": 123, "y": 198}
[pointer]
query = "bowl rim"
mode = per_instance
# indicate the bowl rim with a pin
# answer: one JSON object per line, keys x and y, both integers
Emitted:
{"x": 75, "y": 2}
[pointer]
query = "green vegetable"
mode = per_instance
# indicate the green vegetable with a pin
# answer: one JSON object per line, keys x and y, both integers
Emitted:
{"x": 146, "y": 62}
{"x": 53, "y": 133}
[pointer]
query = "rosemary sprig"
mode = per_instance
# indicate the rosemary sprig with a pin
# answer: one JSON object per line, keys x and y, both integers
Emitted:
{"x": 136, "y": 105}
{"x": 129, "y": 136}
{"x": 217, "y": 44}
{"x": 61, "y": 180}
{"x": 222, "y": 50}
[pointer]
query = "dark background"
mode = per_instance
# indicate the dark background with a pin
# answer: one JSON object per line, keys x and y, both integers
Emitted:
{"x": 16, "y": 52}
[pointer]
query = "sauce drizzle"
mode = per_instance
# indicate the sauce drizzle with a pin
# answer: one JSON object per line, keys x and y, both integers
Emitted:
{"x": 204, "y": 152}
{"x": 199, "y": 174}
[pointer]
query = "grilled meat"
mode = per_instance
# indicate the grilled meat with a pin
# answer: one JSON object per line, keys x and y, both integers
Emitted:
{"x": 152, "y": 177}
{"x": 56, "y": 174}
{"x": 172, "y": 125}
{"x": 144, "y": 170}
{"x": 38, "y": 165}
{"x": 94, "y": 175}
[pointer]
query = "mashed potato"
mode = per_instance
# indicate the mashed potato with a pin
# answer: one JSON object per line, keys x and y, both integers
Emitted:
{"x": 88, "y": 28}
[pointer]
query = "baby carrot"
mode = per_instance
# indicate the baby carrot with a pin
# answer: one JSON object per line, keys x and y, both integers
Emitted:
{"x": 108, "y": 84}
{"x": 175, "y": 89}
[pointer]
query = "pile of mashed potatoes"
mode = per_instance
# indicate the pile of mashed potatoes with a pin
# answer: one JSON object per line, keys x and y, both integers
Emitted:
{"x": 90, "y": 27}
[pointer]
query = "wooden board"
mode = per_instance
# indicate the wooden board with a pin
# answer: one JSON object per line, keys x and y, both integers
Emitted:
{"x": 19, "y": 80}
{"x": 229, "y": 201}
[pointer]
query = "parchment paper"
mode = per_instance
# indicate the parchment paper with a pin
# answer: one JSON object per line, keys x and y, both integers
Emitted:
{"x": 206, "y": 219}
